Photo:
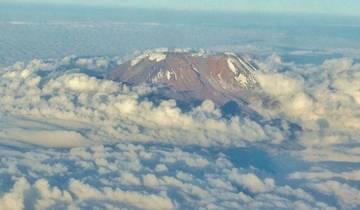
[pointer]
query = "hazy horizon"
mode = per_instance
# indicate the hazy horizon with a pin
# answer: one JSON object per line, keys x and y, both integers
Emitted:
{"x": 336, "y": 7}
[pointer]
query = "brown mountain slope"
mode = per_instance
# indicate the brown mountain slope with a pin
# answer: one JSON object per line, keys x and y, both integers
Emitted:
{"x": 187, "y": 76}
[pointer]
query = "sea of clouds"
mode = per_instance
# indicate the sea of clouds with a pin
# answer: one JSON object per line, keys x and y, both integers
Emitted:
{"x": 72, "y": 140}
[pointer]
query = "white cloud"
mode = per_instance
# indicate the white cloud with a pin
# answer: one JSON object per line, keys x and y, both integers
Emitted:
{"x": 347, "y": 196}
{"x": 278, "y": 84}
{"x": 86, "y": 192}
{"x": 252, "y": 182}
{"x": 322, "y": 98}
{"x": 14, "y": 200}
{"x": 126, "y": 175}
{"x": 109, "y": 110}
{"x": 325, "y": 174}
{"x": 48, "y": 138}
{"x": 330, "y": 153}
{"x": 43, "y": 104}
{"x": 49, "y": 196}
{"x": 161, "y": 168}
{"x": 150, "y": 180}
{"x": 128, "y": 178}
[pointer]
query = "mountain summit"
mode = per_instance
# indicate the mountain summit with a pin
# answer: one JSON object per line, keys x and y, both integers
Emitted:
{"x": 190, "y": 76}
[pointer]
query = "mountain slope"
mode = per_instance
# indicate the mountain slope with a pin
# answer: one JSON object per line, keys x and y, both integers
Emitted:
{"x": 188, "y": 76}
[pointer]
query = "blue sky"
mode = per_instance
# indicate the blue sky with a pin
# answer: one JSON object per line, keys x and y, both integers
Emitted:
{"x": 343, "y": 7}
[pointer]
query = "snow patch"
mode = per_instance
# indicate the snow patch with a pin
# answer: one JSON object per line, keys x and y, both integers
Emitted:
{"x": 246, "y": 65}
{"x": 168, "y": 75}
{"x": 156, "y": 55}
{"x": 182, "y": 50}
{"x": 232, "y": 67}
{"x": 230, "y": 54}
{"x": 242, "y": 79}
{"x": 137, "y": 59}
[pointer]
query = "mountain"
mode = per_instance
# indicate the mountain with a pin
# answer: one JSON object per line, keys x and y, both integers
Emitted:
{"x": 187, "y": 76}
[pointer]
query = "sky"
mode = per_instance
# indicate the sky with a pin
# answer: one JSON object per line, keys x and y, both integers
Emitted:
{"x": 337, "y": 7}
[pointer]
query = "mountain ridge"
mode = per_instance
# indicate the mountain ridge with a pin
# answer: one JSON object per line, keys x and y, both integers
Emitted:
{"x": 188, "y": 76}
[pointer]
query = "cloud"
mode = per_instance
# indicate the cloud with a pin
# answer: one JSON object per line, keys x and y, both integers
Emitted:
{"x": 126, "y": 175}
{"x": 109, "y": 110}
{"x": 325, "y": 174}
{"x": 14, "y": 200}
{"x": 346, "y": 195}
{"x": 50, "y": 196}
{"x": 325, "y": 104}
{"x": 330, "y": 153}
{"x": 93, "y": 63}
{"x": 252, "y": 182}
{"x": 108, "y": 146}
{"x": 318, "y": 96}
{"x": 278, "y": 84}
{"x": 143, "y": 201}
{"x": 48, "y": 138}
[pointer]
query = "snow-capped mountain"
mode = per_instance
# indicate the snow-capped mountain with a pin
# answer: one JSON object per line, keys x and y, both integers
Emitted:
{"x": 193, "y": 76}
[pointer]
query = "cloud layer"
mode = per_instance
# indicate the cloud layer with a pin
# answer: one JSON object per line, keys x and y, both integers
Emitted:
{"x": 69, "y": 139}
{"x": 141, "y": 176}
{"x": 107, "y": 109}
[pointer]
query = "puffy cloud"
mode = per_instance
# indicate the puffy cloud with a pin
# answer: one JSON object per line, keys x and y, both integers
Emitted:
{"x": 325, "y": 174}
{"x": 79, "y": 83}
{"x": 290, "y": 92}
{"x": 322, "y": 98}
{"x": 330, "y": 153}
{"x": 14, "y": 200}
{"x": 347, "y": 196}
{"x": 278, "y": 84}
{"x": 252, "y": 182}
{"x": 93, "y": 63}
{"x": 150, "y": 180}
{"x": 298, "y": 193}
{"x": 126, "y": 175}
{"x": 191, "y": 160}
{"x": 126, "y": 151}
{"x": 128, "y": 178}
{"x": 86, "y": 192}
{"x": 109, "y": 110}
{"x": 161, "y": 168}
{"x": 50, "y": 196}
